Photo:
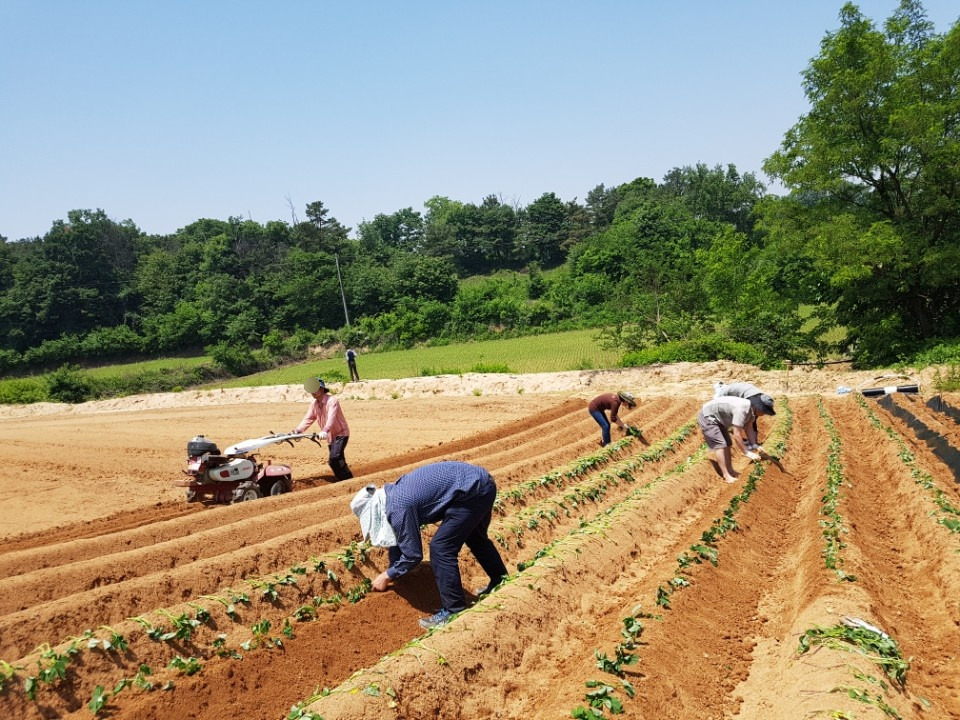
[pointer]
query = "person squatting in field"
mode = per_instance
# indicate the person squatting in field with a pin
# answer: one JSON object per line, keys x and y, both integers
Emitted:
{"x": 759, "y": 399}
{"x": 457, "y": 495}
{"x": 326, "y": 411}
{"x": 729, "y": 417}
{"x": 610, "y": 402}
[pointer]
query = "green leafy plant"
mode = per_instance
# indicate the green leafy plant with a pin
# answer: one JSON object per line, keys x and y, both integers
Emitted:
{"x": 115, "y": 642}
{"x": 599, "y": 700}
{"x": 188, "y": 666}
{"x": 832, "y": 523}
{"x": 229, "y": 607}
{"x": 98, "y": 701}
{"x": 878, "y": 647}
{"x": 183, "y": 626}
{"x": 52, "y": 665}
{"x": 140, "y": 679}
{"x": 7, "y": 673}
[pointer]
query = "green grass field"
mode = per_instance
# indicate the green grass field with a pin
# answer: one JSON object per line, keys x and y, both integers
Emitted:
{"x": 573, "y": 350}
{"x": 148, "y": 366}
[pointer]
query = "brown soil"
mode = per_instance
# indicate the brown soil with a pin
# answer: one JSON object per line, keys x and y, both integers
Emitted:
{"x": 97, "y": 541}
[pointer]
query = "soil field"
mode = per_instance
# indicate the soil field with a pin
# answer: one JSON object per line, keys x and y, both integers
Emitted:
{"x": 639, "y": 580}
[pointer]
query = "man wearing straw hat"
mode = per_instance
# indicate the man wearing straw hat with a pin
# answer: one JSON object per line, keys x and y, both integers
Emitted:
{"x": 610, "y": 402}
{"x": 325, "y": 410}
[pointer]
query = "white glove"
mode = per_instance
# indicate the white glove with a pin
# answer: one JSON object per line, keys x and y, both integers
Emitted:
{"x": 752, "y": 455}
{"x": 322, "y": 435}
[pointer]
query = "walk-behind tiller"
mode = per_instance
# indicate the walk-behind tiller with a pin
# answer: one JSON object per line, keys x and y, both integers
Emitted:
{"x": 236, "y": 474}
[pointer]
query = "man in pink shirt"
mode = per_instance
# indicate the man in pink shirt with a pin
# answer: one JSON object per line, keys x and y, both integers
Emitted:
{"x": 325, "y": 409}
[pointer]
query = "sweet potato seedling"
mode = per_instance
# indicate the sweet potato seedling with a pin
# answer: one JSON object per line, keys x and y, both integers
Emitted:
{"x": 188, "y": 666}
{"x": 7, "y": 673}
{"x": 99, "y": 700}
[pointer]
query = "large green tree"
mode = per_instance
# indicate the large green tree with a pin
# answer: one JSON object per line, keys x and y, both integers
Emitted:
{"x": 874, "y": 174}
{"x": 543, "y": 230}
{"x": 715, "y": 193}
{"x": 77, "y": 277}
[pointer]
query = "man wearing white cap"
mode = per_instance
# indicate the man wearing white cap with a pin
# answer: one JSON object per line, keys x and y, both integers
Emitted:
{"x": 761, "y": 402}
{"x": 326, "y": 411}
{"x": 727, "y": 420}
{"x": 457, "y": 495}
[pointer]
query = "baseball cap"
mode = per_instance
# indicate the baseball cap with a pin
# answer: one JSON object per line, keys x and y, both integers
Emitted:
{"x": 766, "y": 402}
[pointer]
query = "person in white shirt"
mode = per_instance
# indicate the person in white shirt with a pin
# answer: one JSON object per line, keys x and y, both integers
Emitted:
{"x": 726, "y": 420}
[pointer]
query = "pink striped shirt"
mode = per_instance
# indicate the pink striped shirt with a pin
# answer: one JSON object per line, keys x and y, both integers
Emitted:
{"x": 326, "y": 411}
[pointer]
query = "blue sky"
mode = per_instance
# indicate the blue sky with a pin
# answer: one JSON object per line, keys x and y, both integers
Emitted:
{"x": 167, "y": 112}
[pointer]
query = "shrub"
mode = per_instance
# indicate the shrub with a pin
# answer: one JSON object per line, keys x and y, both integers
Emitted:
{"x": 23, "y": 391}
{"x": 940, "y": 354}
{"x": 431, "y": 372}
{"x": 352, "y": 337}
{"x": 68, "y": 384}
{"x": 703, "y": 349}
{"x": 147, "y": 381}
{"x": 948, "y": 382}
{"x": 10, "y": 360}
{"x": 50, "y": 352}
{"x": 111, "y": 342}
{"x": 273, "y": 343}
{"x": 490, "y": 368}
{"x": 238, "y": 359}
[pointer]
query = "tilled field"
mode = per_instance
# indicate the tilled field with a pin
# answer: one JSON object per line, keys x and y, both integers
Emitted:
{"x": 641, "y": 582}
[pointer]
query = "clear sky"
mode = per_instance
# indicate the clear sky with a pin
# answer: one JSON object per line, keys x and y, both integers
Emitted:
{"x": 167, "y": 112}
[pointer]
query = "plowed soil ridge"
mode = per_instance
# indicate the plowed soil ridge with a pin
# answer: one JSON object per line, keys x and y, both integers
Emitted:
{"x": 107, "y": 604}
{"x": 736, "y": 627}
{"x": 580, "y": 590}
{"x": 936, "y": 430}
{"x": 595, "y": 534}
{"x": 242, "y": 540}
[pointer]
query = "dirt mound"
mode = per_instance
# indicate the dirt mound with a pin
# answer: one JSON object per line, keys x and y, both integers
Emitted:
{"x": 641, "y": 580}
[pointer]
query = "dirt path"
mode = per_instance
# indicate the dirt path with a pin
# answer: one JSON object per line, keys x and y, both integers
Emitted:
{"x": 101, "y": 547}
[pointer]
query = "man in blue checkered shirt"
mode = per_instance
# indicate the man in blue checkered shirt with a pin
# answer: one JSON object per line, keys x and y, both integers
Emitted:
{"x": 460, "y": 497}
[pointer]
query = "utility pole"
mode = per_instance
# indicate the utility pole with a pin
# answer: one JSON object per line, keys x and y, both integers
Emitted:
{"x": 342, "y": 296}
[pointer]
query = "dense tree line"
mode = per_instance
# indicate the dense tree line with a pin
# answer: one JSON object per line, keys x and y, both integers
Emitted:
{"x": 92, "y": 287}
{"x": 703, "y": 263}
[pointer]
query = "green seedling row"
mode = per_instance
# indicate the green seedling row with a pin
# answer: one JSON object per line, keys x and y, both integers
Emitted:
{"x": 949, "y": 514}
{"x": 832, "y": 523}
{"x": 586, "y": 528}
{"x": 181, "y": 628}
{"x": 597, "y": 704}
{"x": 558, "y": 478}
{"x": 706, "y": 549}
{"x": 593, "y": 490}
{"x": 877, "y": 647}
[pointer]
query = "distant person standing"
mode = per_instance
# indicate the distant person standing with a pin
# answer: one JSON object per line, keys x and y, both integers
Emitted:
{"x": 610, "y": 402}
{"x": 352, "y": 364}
{"x": 325, "y": 410}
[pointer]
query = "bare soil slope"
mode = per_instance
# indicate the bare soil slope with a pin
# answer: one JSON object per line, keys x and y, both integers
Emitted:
{"x": 115, "y": 591}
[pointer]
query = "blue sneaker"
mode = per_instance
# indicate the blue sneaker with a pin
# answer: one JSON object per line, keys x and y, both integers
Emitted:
{"x": 438, "y": 619}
